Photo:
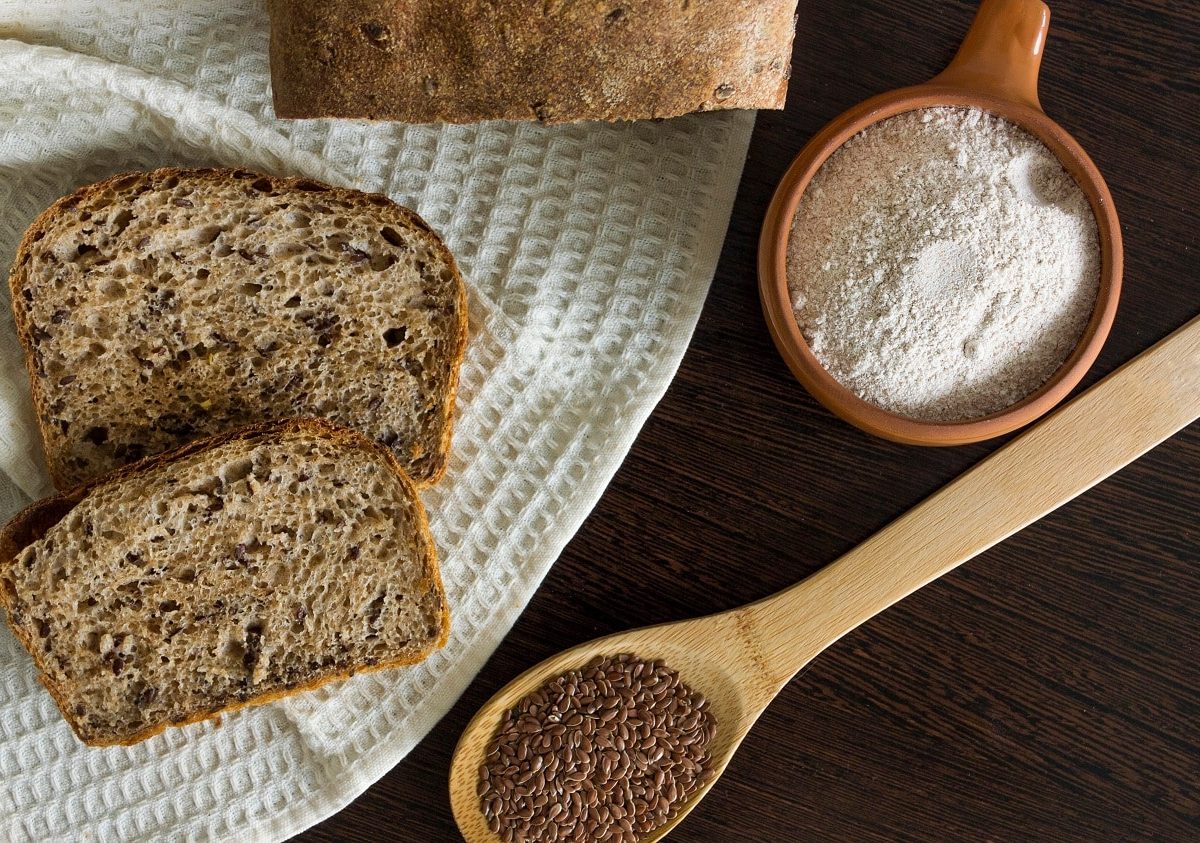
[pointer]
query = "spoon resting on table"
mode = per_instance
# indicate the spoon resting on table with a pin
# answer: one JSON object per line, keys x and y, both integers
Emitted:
{"x": 740, "y": 659}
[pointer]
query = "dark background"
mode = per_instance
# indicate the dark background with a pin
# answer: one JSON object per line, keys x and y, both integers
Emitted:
{"x": 1047, "y": 690}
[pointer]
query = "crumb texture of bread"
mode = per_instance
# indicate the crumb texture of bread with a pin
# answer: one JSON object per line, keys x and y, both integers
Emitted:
{"x": 230, "y": 575}
{"x": 156, "y": 308}
{"x": 434, "y": 61}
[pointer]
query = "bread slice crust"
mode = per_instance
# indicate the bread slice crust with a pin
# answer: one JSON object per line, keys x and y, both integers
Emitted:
{"x": 59, "y": 447}
{"x": 32, "y": 523}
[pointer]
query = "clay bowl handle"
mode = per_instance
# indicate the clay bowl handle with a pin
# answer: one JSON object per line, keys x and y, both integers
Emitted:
{"x": 1002, "y": 53}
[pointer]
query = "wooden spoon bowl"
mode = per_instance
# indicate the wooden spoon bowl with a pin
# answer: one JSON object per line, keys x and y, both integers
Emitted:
{"x": 740, "y": 659}
{"x": 995, "y": 69}
{"x": 736, "y": 696}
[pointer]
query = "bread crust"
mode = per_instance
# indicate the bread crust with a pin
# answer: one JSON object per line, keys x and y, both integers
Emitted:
{"x": 39, "y": 226}
{"x": 29, "y": 525}
{"x": 462, "y": 61}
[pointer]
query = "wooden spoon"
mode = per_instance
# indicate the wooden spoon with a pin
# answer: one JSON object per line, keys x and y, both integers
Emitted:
{"x": 740, "y": 659}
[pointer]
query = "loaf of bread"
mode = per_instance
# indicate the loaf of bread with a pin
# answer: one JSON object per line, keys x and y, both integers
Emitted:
{"x": 460, "y": 61}
{"x": 160, "y": 307}
{"x": 227, "y": 573}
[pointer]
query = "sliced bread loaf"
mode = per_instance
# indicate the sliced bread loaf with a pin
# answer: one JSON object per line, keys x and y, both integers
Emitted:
{"x": 227, "y": 573}
{"x": 432, "y": 61}
{"x": 160, "y": 307}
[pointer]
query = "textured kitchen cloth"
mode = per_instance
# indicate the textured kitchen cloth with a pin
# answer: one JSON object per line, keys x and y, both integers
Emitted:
{"x": 588, "y": 250}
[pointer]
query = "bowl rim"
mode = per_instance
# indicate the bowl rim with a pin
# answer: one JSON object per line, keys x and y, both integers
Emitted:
{"x": 776, "y": 300}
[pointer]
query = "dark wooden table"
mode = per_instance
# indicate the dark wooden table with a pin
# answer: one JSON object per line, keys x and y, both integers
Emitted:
{"x": 1049, "y": 689}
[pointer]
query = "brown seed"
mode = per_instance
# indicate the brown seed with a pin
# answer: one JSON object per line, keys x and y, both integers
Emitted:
{"x": 621, "y": 740}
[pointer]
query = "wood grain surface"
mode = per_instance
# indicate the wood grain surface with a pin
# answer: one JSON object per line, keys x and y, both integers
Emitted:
{"x": 1048, "y": 690}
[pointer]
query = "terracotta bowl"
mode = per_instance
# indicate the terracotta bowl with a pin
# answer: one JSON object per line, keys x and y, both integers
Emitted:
{"x": 996, "y": 69}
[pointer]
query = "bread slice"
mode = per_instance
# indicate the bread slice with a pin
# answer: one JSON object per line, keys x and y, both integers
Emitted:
{"x": 429, "y": 61}
{"x": 160, "y": 307}
{"x": 227, "y": 573}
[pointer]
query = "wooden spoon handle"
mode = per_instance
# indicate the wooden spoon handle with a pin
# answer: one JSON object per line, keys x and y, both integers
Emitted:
{"x": 1115, "y": 422}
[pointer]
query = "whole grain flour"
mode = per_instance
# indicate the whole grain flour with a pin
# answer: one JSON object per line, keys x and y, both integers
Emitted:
{"x": 942, "y": 264}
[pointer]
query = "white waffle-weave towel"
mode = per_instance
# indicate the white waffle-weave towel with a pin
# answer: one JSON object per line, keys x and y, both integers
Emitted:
{"x": 588, "y": 250}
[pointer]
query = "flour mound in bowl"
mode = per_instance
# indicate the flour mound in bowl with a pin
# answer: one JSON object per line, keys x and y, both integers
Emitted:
{"x": 942, "y": 264}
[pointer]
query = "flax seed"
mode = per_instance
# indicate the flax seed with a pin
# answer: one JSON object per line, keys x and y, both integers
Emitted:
{"x": 603, "y": 754}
